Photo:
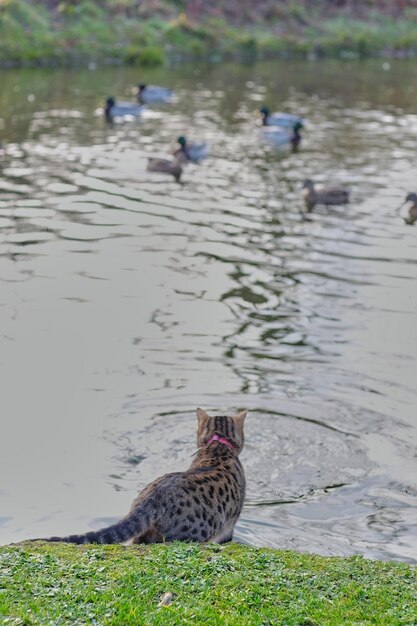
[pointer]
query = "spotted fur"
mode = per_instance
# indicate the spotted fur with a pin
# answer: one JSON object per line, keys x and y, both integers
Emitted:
{"x": 201, "y": 504}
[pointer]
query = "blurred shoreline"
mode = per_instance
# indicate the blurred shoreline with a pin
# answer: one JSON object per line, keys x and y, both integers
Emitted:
{"x": 157, "y": 32}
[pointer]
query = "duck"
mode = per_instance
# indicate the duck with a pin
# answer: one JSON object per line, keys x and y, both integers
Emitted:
{"x": 411, "y": 199}
{"x": 121, "y": 109}
{"x": 166, "y": 166}
{"x": 190, "y": 152}
{"x": 285, "y": 120}
{"x": 323, "y": 195}
{"x": 153, "y": 93}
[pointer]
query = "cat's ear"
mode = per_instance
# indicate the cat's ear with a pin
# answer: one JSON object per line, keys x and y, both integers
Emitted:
{"x": 240, "y": 418}
{"x": 203, "y": 421}
{"x": 202, "y": 416}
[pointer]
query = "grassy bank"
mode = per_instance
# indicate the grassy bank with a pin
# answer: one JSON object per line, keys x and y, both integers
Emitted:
{"x": 233, "y": 585}
{"x": 152, "y": 32}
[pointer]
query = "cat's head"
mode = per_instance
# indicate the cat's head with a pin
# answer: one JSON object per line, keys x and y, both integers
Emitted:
{"x": 229, "y": 428}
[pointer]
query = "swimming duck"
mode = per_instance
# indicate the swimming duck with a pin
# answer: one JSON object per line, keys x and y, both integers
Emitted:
{"x": 191, "y": 152}
{"x": 166, "y": 166}
{"x": 121, "y": 109}
{"x": 412, "y": 209}
{"x": 285, "y": 120}
{"x": 323, "y": 195}
{"x": 153, "y": 93}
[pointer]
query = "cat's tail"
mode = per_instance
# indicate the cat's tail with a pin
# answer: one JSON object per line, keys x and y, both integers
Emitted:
{"x": 134, "y": 524}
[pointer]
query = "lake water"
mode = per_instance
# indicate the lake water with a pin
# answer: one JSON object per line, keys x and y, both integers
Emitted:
{"x": 127, "y": 300}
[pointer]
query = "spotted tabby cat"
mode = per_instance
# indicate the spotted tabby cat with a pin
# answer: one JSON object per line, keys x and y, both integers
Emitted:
{"x": 200, "y": 504}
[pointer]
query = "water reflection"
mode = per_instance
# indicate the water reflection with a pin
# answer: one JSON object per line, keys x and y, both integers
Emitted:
{"x": 127, "y": 300}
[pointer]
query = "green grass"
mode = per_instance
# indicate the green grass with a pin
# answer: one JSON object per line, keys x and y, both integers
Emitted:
{"x": 233, "y": 585}
{"x": 151, "y": 32}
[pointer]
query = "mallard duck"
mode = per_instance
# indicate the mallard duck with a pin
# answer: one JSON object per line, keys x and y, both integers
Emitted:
{"x": 411, "y": 200}
{"x": 285, "y": 120}
{"x": 166, "y": 166}
{"x": 115, "y": 109}
{"x": 323, "y": 195}
{"x": 153, "y": 93}
{"x": 194, "y": 152}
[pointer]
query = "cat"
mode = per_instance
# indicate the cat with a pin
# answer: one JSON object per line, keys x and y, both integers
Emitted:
{"x": 201, "y": 504}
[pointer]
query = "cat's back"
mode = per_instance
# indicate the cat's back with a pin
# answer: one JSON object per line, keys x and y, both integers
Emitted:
{"x": 205, "y": 477}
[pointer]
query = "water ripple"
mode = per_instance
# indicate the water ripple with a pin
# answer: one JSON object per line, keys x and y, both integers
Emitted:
{"x": 127, "y": 300}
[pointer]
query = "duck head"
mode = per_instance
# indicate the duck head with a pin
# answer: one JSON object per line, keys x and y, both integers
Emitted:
{"x": 296, "y": 136}
{"x": 110, "y": 103}
{"x": 141, "y": 93}
{"x": 182, "y": 141}
{"x": 411, "y": 197}
{"x": 264, "y": 111}
{"x": 411, "y": 200}
{"x": 308, "y": 184}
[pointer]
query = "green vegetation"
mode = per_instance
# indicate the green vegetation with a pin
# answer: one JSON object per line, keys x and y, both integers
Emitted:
{"x": 151, "y": 32}
{"x": 234, "y": 585}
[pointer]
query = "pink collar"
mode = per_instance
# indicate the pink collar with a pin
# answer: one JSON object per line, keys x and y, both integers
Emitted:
{"x": 221, "y": 440}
